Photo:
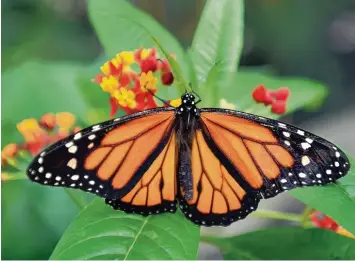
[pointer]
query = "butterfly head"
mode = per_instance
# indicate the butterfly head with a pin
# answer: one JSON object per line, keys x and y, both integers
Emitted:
{"x": 188, "y": 104}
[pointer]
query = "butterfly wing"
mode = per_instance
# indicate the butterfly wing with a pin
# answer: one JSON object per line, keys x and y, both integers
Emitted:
{"x": 272, "y": 156}
{"x": 239, "y": 158}
{"x": 129, "y": 161}
{"x": 218, "y": 197}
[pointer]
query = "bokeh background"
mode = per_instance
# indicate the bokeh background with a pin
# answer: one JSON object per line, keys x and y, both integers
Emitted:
{"x": 313, "y": 39}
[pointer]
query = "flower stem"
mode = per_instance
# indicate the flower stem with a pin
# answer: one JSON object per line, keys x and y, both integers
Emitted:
{"x": 277, "y": 215}
{"x": 305, "y": 217}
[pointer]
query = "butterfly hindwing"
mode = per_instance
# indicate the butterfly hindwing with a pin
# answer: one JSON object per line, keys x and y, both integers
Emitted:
{"x": 155, "y": 192}
{"x": 218, "y": 198}
{"x": 271, "y": 156}
{"x": 111, "y": 160}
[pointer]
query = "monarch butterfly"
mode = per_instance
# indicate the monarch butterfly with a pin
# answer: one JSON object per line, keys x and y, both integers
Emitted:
{"x": 216, "y": 164}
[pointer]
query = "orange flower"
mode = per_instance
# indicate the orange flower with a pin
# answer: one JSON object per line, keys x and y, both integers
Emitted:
{"x": 8, "y": 152}
{"x": 30, "y": 130}
{"x": 48, "y": 121}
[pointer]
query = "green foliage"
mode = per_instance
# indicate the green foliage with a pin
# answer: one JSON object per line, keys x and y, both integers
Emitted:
{"x": 101, "y": 233}
{"x": 35, "y": 217}
{"x": 218, "y": 37}
{"x": 285, "y": 243}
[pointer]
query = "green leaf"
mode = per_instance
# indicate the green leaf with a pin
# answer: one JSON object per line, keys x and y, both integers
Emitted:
{"x": 33, "y": 218}
{"x": 286, "y": 243}
{"x": 100, "y": 232}
{"x": 335, "y": 200}
{"x": 33, "y": 89}
{"x": 303, "y": 92}
{"x": 219, "y": 37}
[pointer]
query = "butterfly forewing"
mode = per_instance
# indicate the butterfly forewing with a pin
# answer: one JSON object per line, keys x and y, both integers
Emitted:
{"x": 111, "y": 158}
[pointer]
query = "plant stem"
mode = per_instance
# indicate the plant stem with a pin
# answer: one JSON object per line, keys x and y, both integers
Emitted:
{"x": 79, "y": 200}
{"x": 305, "y": 216}
{"x": 277, "y": 215}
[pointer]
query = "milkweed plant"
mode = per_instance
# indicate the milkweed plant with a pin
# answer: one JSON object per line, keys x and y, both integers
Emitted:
{"x": 144, "y": 59}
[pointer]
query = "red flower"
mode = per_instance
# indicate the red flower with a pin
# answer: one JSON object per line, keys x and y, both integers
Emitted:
{"x": 277, "y": 99}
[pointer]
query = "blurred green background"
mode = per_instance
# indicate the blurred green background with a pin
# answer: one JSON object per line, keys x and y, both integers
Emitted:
{"x": 313, "y": 39}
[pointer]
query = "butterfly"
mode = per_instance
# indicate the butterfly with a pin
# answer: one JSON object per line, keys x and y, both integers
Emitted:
{"x": 215, "y": 164}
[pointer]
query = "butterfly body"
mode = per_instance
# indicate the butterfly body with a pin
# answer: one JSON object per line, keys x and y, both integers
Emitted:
{"x": 216, "y": 164}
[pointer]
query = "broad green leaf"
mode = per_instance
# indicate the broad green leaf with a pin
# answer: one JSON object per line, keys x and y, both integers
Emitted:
{"x": 120, "y": 26}
{"x": 219, "y": 37}
{"x": 100, "y": 232}
{"x": 286, "y": 243}
{"x": 334, "y": 200}
{"x": 33, "y": 219}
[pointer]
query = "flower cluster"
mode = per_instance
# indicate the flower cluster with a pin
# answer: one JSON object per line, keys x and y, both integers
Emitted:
{"x": 38, "y": 134}
{"x": 322, "y": 221}
{"x": 277, "y": 99}
{"x": 130, "y": 90}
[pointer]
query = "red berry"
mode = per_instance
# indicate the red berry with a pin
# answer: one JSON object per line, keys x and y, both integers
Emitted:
{"x": 282, "y": 94}
{"x": 268, "y": 99}
{"x": 167, "y": 78}
{"x": 259, "y": 93}
{"x": 278, "y": 107}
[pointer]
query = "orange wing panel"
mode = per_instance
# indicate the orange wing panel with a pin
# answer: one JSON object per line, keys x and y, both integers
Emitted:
{"x": 134, "y": 128}
{"x": 241, "y": 127}
{"x": 159, "y": 181}
{"x": 219, "y": 192}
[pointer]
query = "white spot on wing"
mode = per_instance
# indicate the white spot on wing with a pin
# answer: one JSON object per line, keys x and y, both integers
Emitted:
{"x": 305, "y": 160}
{"x": 302, "y": 175}
{"x": 309, "y": 140}
{"x": 77, "y": 136}
{"x": 40, "y": 170}
{"x": 337, "y": 154}
{"x": 328, "y": 171}
{"x": 286, "y": 134}
{"x": 92, "y": 136}
{"x": 305, "y": 145}
{"x": 336, "y": 164}
{"x": 96, "y": 128}
{"x": 48, "y": 175}
{"x": 72, "y": 163}
{"x": 283, "y": 180}
{"x": 40, "y": 160}
{"x": 75, "y": 177}
{"x": 73, "y": 149}
{"x": 319, "y": 175}
{"x": 287, "y": 143}
{"x": 300, "y": 132}
{"x": 69, "y": 144}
